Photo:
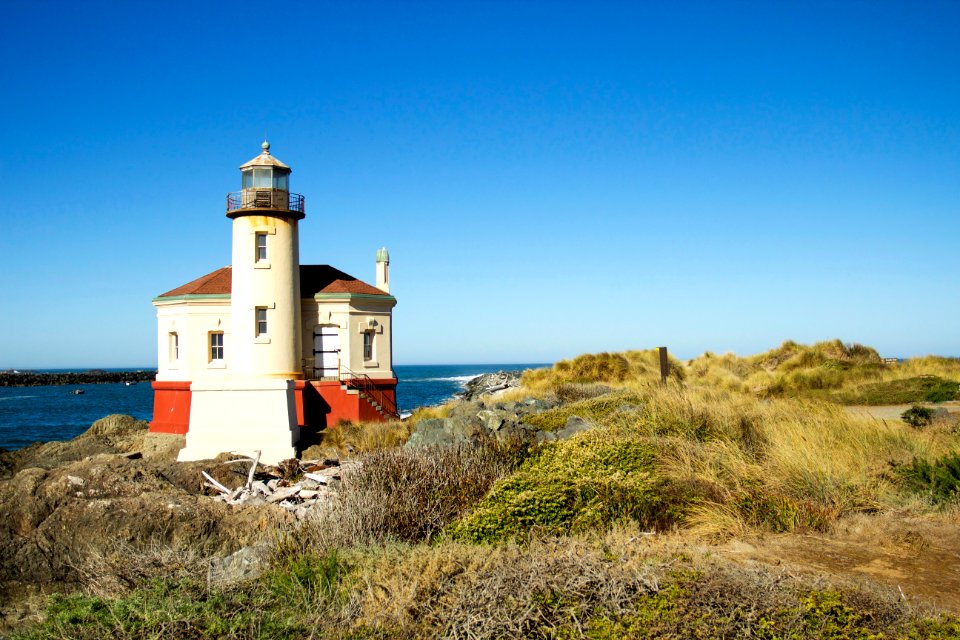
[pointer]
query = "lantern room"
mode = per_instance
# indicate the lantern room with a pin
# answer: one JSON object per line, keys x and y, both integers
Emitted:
{"x": 265, "y": 184}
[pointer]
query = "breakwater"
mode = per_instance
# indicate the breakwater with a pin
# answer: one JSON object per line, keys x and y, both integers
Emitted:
{"x": 32, "y": 379}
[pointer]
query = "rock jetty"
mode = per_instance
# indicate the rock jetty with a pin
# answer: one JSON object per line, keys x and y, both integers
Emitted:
{"x": 32, "y": 379}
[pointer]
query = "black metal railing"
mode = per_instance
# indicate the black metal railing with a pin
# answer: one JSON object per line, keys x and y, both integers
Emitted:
{"x": 365, "y": 384}
{"x": 264, "y": 199}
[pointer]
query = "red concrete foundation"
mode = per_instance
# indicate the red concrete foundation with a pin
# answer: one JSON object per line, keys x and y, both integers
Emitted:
{"x": 171, "y": 407}
{"x": 320, "y": 404}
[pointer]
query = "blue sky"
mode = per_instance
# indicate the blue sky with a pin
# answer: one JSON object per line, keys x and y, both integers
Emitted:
{"x": 551, "y": 178}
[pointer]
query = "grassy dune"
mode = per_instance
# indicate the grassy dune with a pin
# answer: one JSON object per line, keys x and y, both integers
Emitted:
{"x": 831, "y": 370}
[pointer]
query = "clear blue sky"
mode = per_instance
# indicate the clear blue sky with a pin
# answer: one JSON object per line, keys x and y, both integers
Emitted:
{"x": 550, "y": 178}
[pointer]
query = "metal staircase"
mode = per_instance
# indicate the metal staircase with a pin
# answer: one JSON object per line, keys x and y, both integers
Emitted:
{"x": 363, "y": 385}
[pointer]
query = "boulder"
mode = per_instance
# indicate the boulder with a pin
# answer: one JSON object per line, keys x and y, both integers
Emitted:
{"x": 429, "y": 433}
{"x": 490, "y": 383}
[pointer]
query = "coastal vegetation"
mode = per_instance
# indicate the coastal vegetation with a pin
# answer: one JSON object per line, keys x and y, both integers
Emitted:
{"x": 737, "y": 500}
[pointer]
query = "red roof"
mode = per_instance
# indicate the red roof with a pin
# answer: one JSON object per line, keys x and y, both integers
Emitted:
{"x": 213, "y": 283}
{"x": 314, "y": 279}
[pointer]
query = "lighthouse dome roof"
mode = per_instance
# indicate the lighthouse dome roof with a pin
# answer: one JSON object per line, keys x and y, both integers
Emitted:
{"x": 265, "y": 159}
{"x": 382, "y": 255}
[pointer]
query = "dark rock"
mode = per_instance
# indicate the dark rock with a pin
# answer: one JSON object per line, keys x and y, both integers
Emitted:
{"x": 462, "y": 429}
{"x": 428, "y": 433}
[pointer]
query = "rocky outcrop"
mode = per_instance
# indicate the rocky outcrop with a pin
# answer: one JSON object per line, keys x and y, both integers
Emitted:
{"x": 470, "y": 422}
{"x": 30, "y": 379}
{"x": 490, "y": 383}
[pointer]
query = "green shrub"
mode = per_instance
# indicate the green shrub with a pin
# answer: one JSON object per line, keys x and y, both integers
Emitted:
{"x": 588, "y": 482}
{"x": 917, "y": 416}
{"x": 939, "y": 480}
{"x": 305, "y": 580}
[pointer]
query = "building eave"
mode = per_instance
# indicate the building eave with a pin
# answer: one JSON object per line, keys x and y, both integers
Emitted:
{"x": 320, "y": 297}
{"x": 193, "y": 297}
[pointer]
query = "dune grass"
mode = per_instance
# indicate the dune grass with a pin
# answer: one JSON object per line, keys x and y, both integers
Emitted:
{"x": 832, "y": 371}
{"x": 511, "y": 540}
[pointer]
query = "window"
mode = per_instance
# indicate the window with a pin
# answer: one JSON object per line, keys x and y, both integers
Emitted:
{"x": 367, "y": 345}
{"x": 279, "y": 180}
{"x": 216, "y": 345}
{"x": 261, "y": 247}
{"x": 262, "y": 178}
{"x": 247, "y": 179}
{"x": 174, "y": 347}
{"x": 261, "y": 321}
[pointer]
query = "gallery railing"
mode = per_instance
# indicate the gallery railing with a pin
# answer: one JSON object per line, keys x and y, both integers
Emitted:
{"x": 264, "y": 199}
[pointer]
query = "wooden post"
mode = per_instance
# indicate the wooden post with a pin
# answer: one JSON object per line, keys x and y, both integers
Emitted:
{"x": 664, "y": 365}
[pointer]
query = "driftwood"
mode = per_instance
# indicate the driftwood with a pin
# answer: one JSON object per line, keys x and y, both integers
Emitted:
{"x": 266, "y": 485}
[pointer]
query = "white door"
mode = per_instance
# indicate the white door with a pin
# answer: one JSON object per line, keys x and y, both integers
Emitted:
{"x": 326, "y": 352}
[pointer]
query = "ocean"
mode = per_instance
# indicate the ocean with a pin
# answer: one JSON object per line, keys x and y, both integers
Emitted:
{"x": 41, "y": 414}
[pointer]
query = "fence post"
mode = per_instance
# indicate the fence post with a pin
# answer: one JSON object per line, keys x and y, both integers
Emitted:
{"x": 664, "y": 365}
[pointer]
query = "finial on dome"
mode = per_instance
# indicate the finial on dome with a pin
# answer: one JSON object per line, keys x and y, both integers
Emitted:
{"x": 265, "y": 146}
{"x": 382, "y": 255}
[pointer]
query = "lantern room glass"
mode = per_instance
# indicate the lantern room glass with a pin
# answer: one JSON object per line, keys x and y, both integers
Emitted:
{"x": 265, "y": 178}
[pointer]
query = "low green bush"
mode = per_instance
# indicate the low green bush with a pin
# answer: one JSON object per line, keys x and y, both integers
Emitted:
{"x": 939, "y": 480}
{"x": 588, "y": 482}
{"x": 917, "y": 416}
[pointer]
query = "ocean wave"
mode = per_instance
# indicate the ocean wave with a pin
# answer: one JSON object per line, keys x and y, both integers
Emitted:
{"x": 460, "y": 379}
{"x": 18, "y": 397}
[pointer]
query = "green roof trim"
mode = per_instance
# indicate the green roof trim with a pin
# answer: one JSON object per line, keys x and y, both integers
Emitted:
{"x": 193, "y": 296}
{"x": 354, "y": 296}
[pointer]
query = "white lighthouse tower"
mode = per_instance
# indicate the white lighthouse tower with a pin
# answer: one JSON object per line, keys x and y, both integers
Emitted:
{"x": 253, "y": 407}
{"x": 265, "y": 299}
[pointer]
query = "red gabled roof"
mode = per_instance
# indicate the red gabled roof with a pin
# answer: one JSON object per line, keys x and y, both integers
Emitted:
{"x": 314, "y": 279}
{"x": 217, "y": 282}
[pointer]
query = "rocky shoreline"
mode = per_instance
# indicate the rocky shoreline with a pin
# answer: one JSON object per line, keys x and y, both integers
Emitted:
{"x": 31, "y": 379}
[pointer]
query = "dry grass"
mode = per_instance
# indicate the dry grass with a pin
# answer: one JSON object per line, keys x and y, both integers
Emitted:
{"x": 119, "y": 567}
{"x": 630, "y": 367}
{"x": 407, "y": 495}
{"x": 821, "y": 370}
{"x": 811, "y": 461}
{"x": 361, "y": 437}
{"x": 621, "y": 584}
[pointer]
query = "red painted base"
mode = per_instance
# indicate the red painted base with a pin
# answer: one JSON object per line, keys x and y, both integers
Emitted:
{"x": 171, "y": 407}
{"x": 320, "y": 404}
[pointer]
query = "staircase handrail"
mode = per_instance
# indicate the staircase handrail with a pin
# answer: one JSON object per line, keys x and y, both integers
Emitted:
{"x": 364, "y": 383}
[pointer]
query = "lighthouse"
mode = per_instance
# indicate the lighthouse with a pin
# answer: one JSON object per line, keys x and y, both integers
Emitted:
{"x": 253, "y": 356}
